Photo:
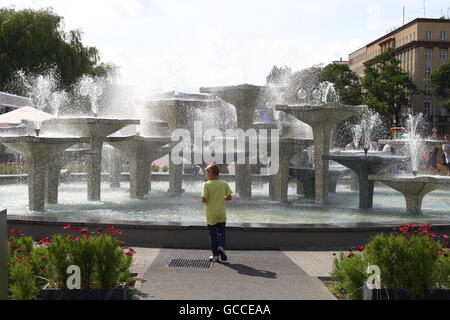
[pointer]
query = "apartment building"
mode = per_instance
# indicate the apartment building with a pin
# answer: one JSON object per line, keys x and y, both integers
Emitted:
{"x": 421, "y": 45}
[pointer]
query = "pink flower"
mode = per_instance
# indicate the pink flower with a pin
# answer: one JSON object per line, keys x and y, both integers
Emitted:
{"x": 20, "y": 259}
{"x": 11, "y": 230}
{"x": 429, "y": 226}
{"x": 423, "y": 229}
{"x": 360, "y": 248}
{"x": 99, "y": 229}
{"x": 84, "y": 230}
{"x": 444, "y": 236}
{"x": 128, "y": 254}
{"x": 67, "y": 226}
{"x": 20, "y": 232}
{"x": 351, "y": 255}
{"x": 404, "y": 229}
{"x": 110, "y": 227}
{"x": 75, "y": 228}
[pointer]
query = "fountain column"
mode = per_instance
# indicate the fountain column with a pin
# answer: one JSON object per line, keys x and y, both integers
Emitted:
{"x": 114, "y": 163}
{"x": 4, "y": 290}
{"x": 52, "y": 181}
{"x": 245, "y": 98}
{"x": 140, "y": 153}
{"x": 94, "y": 170}
{"x": 279, "y": 182}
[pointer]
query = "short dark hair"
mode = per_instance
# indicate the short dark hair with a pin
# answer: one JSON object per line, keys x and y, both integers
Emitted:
{"x": 213, "y": 168}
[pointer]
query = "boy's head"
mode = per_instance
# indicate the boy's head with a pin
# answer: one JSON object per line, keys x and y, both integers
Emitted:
{"x": 212, "y": 171}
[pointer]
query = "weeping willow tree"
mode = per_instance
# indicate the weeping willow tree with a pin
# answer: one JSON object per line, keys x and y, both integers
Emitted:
{"x": 34, "y": 42}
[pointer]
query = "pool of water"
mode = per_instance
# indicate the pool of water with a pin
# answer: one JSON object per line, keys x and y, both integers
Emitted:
{"x": 389, "y": 205}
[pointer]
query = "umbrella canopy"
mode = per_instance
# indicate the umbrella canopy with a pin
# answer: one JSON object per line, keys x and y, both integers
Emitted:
{"x": 14, "y": 118}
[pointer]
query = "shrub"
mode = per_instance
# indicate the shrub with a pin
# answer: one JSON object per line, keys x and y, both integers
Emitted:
{"x": 23, "y": 286}
{"x": 60, "y": 253}
{"x": 84, "y": 256}
{"x": 34, "y": 265}
{"x": 165, "y": 169}
{"x": 415, "y": 261}
{"x": 405, "y": 262}
{"x": 154, "y": 168}
{"x": 349, "y": 272}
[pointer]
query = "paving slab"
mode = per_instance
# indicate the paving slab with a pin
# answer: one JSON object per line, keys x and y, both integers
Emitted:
{"x": 247, "y": 275}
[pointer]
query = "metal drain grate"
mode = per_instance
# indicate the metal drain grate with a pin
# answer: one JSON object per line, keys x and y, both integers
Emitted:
{"x": 189, "y": 263}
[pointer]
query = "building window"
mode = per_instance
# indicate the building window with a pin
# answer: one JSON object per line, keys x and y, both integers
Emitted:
{"x": 428, "y": 53}
{"x": 443, "y": 35}
{"x": 443, "y": 53}
{"x": 428, "y": 35}
{"x": 427, "y": 88}
{"x": 427, "y": 108}
{"x": 427, "y": 71}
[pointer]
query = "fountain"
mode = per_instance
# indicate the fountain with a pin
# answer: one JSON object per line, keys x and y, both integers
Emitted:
{"x": 41, "y": 155}
{"x": 323, "y": 117}
{"x": 178, "y": 111}
{"x": 365, "y": 165}
{"x": 412, "y": 143}
{"x": 96, "y": 130}
{"x": 413, "y": 187}
{"x": 245, "y": 98}
{"x": 140, "y": 152}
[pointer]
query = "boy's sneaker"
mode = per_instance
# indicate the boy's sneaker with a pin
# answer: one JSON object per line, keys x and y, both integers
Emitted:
{"x": 222, "y": 254}
{"x": 214, "y": 258}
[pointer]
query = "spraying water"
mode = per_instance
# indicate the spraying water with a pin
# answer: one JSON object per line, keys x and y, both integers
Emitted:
{"x": 91, "y": 88}
{"x": 414, "y": 125}
{"x": 369, "y": 123}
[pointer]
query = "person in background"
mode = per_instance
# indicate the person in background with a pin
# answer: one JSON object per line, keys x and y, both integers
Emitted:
{"x": 446, "y": 149}
{"x": 432, "y": 160}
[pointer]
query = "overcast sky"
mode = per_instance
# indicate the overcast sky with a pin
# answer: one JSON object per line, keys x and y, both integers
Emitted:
{"x": 185, "y": 44}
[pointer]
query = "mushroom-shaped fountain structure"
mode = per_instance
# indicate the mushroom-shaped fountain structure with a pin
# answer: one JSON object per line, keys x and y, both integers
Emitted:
{"x": 323, "y": 119}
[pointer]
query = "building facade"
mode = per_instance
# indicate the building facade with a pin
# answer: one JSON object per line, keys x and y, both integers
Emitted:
{"x": 422, "y": 46}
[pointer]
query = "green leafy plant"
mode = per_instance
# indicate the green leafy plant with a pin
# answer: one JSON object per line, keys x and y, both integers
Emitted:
{"x": 108, "y": 260}
{"x": 415, "y": 261}
{"x": 165, "y": 169}
{"x": 84, "y": 256}
{"x": 23, "y": 286}
{"x": 61, "y": 256}
{"x": 349, "y": 272}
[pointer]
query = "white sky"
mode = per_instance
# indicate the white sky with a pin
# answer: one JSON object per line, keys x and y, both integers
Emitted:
{"x": 185, "y": 44}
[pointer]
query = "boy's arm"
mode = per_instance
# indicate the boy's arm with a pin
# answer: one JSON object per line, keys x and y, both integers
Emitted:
{"x": 228, "y": 193}
{"x": 204, "y": 194}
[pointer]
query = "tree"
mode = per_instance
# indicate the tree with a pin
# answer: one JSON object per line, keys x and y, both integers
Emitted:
{"x": 346, "y": 82}
{"x": 440, "y": 82}
{"x": 278, "y": 76}
{"x": 34, "y": 42}
{"x": 388, "y": 88}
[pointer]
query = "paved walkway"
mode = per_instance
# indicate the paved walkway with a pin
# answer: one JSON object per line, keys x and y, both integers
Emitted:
{"x": 249, "y": 275}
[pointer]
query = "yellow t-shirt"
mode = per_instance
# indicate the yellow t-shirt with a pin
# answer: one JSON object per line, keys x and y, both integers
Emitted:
{"x": 215, "y": 191}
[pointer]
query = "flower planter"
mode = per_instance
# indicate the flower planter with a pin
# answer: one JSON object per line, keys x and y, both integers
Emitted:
{"x": 84, "y": 294}
{"x": 398, "y": 294}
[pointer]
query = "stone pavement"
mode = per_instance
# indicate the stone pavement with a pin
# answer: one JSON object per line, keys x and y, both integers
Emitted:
{"x": 247, "y": 275}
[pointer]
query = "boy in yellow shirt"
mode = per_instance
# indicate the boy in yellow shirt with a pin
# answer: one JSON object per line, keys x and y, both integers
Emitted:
{"x": 214, "y": 194}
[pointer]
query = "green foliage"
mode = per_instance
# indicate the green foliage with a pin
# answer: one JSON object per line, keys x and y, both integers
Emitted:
{"x": 165, "y": 169}
{"x": 23, "y": 286}
{"x": 406, "y": 262}
{"x": 35, "y": 265}
{"x": 34, "y": 42}
{"x": 60, "y": 253}
{"x": 108, "y": 260}
{"x": 350, "y": 274}
{"x": 414, "y": 261}
{"x": 388, "y": 88}
{"x": 84, "y": 256}
{"x": 440, "y": 82}
{"x": 12, "y": 169}
{"x": 346, "y": 83}
{"x": 154, "y": 168}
